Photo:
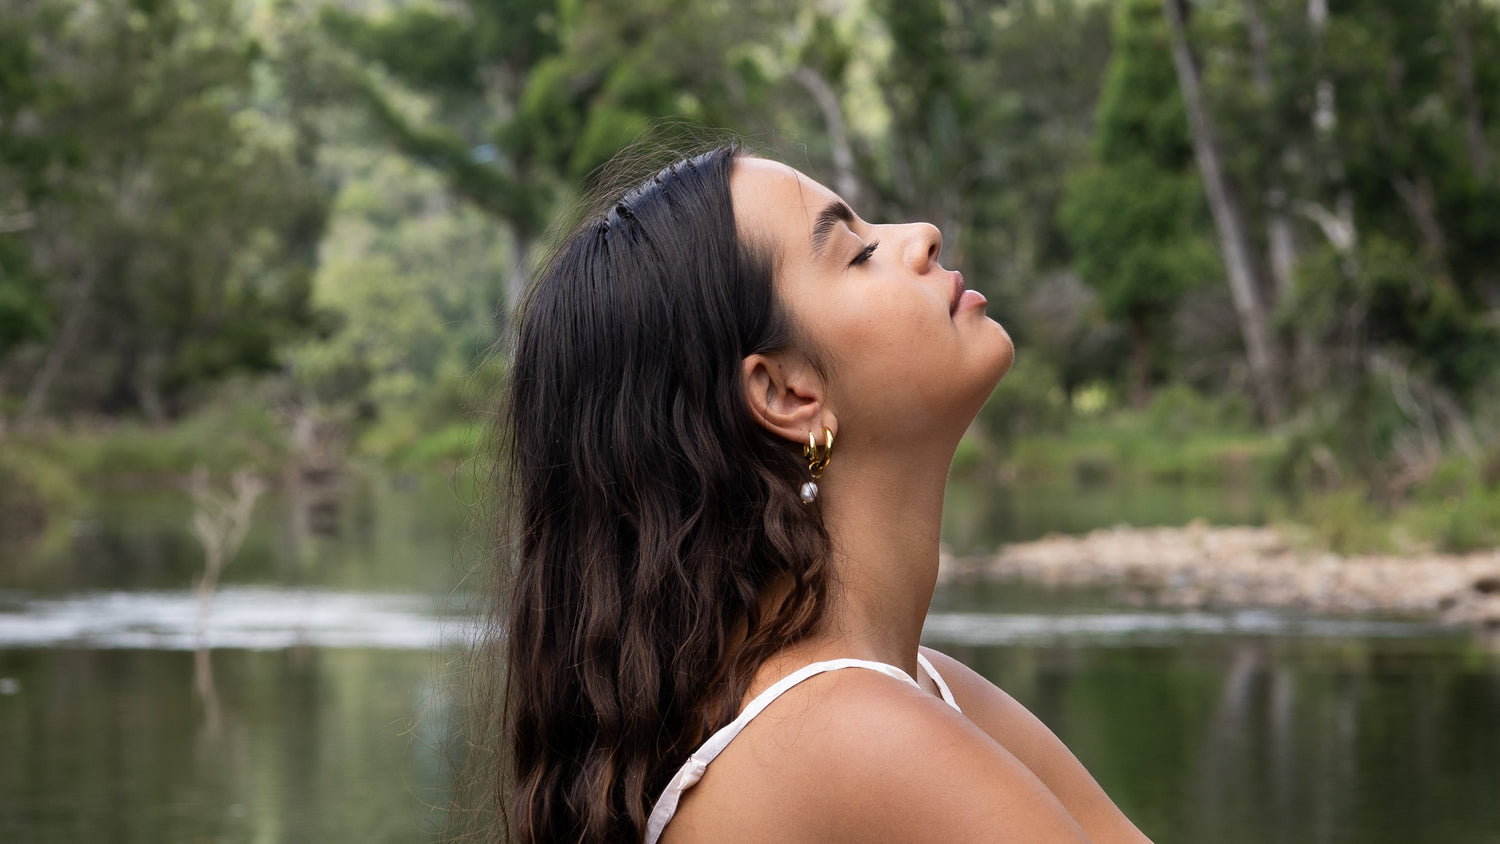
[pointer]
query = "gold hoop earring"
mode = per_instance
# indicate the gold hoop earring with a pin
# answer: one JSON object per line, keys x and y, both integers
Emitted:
{"x": 817, "y": 460}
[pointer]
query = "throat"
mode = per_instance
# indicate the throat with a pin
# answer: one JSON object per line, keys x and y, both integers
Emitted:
{"x": 886, "y": 551}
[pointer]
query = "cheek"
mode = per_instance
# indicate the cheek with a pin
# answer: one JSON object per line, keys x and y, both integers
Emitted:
{"x": 883, "y": 340}
{"x": 906, "y": 364}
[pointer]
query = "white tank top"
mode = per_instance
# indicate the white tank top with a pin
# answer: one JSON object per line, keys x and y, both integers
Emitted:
{"x": 691, "y": 771}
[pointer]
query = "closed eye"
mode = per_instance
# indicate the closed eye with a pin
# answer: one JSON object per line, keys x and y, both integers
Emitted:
{"x": 864, "y": 254}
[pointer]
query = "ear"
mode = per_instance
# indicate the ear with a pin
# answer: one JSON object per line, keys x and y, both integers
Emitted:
{"x": 786, "y": 396}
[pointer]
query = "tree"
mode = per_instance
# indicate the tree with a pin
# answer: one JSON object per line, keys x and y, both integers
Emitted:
{"x": 177, "y": 242}
{"x": 1357, "y": 138}
{"x": 24, "y": 312}
{"x": 1134, "y": 217}
{"x": 517, "y": 103}
{"x": 1236, "y": 244}
{"x": 410, "y": 279}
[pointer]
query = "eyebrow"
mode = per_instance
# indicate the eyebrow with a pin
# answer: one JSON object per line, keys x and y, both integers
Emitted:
{"x": 832, "y": 214}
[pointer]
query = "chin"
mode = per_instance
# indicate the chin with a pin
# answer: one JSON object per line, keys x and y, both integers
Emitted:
{"x": 1004, "y": 356}
{"x": 994, "y": 370}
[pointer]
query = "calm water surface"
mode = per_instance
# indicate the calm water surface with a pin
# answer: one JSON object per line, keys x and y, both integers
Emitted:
{"x": 318, "y": 710}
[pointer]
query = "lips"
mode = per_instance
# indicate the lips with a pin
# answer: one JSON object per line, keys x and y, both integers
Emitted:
{"x": 964, "y": 298}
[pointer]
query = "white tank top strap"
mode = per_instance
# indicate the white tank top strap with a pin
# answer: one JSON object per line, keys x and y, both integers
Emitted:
{"x": 693, "y": 769}
{"x": 937, "y": 680}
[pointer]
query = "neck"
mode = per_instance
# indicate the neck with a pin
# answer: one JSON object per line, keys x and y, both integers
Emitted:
{"x": 883, "y": 513}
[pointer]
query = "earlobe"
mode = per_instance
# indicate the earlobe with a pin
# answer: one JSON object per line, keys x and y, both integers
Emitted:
{"x": 785, "y": 399}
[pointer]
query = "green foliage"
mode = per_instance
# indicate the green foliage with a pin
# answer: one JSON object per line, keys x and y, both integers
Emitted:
{"x": 190, "y": 189}
{"x": 1180, "y": 437}
{"x": 1138, "y": 236}
{"x": 1028, "y": 401}
{"x": 226, "y": 434}
{"x": 1180, "y": 412}
{"x": 1345, "y": 521}
{"x": 422, "y": 45}
{"x": 1383, "y": 298}
{"x": 1135, "y": 216}
{"x": 1141, "y": 112}
{"x": 411, "y": 283}
{"x": 449, "y": 446}
{"x": 526, "y": 99}
{"x": 1458, "y": 506}
{"x": 179, "y": 234}
{"x": 34, "y": 493}
{"x": 25, "y": 313}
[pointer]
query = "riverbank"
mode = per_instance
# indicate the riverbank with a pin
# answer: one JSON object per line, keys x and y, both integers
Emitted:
{"x": 1203, "y": 566}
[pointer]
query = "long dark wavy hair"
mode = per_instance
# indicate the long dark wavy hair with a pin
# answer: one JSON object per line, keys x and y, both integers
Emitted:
{"x": 651, "y": 516}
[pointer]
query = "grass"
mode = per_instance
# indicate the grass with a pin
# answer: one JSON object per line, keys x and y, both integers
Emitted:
{"x": 222, "y": 438}
{"x": 448, "y": 446}
{"x": 1181, "y": 440}
{"x": 1177, "y": 439}
{"x": 1186, "y": 440}
{"x": 36, "y": 495}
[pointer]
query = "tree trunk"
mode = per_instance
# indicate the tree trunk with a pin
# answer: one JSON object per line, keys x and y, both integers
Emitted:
{"x": 62, "y": 348}
{"x": 1140, "y": 361}
{"x": 145, "y": 382}
{"x": 519, "y": 278}
{"x": 1463, "y": 60}
{"x": 846, "y": 181}
{"x": 1282, "y": 245}
{"x": 1420, "y": 200}
{"x": 1338, "y": 225}
{"x": 1230, "y": 223}
{"x": 1280, "y": 239}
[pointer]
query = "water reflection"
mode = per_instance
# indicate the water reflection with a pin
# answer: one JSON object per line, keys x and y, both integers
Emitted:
{"x": 407, "y": 535}
{"x": 314, "y": 745}
{"x": 318, "y": 709}
{"x": 1261, "y": 739}
{"x": 1219, "y": 737}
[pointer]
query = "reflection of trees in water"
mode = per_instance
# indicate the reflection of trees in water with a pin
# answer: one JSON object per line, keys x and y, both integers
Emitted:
{"x": 1283, "y": 744}
{"x": 1275, "y": 739}
{"x": 1225, "y": 747}
{"x": 1362, "y": 744}
{"x": 221, "y": 520}
{"x": 1278, "y": 758}
{"x": 208, "y": 694}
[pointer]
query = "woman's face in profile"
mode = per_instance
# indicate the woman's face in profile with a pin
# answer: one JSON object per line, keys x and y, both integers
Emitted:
{"x": 908, "y": 349}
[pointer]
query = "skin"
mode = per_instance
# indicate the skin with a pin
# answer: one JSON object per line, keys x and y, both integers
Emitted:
{"x": 855, "y": 755}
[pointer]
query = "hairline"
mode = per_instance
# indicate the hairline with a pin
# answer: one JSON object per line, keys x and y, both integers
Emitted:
{"x": 822, "y": 361}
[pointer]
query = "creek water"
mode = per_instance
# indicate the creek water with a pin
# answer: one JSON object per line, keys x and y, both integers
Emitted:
{"x": 314, "y": 705}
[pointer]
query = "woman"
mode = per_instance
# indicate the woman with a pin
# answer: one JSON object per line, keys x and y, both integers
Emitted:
{"x": 733, "y": 405}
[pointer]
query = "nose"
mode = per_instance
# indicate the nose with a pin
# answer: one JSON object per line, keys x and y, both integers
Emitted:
{"x": 923, "y": 246}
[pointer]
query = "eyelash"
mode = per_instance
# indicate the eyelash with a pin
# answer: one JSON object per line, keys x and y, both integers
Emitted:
{"x": 864, "y": 254}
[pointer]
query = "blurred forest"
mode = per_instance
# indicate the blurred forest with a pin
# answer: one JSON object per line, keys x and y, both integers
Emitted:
{"x": 1232, "y": 238}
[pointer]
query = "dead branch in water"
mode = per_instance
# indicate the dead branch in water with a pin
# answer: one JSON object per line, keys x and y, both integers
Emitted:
{"x": 220, "y": 521}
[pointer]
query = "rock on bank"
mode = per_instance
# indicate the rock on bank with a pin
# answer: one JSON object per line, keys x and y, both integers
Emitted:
{"x": 1199, "y": 565}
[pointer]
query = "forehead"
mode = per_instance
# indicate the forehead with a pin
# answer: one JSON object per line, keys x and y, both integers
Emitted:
{"x": 775, "y": 201}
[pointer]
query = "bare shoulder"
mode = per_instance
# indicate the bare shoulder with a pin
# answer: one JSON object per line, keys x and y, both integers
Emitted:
{"x": 986, "y": 704}
{"x": 857, "y": 755}
{"x": 1003, "y": 719}
{"x": 927, "y": 773}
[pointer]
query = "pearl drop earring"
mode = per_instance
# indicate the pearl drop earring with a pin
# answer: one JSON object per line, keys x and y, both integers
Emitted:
{"x": 817, "y": 460}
